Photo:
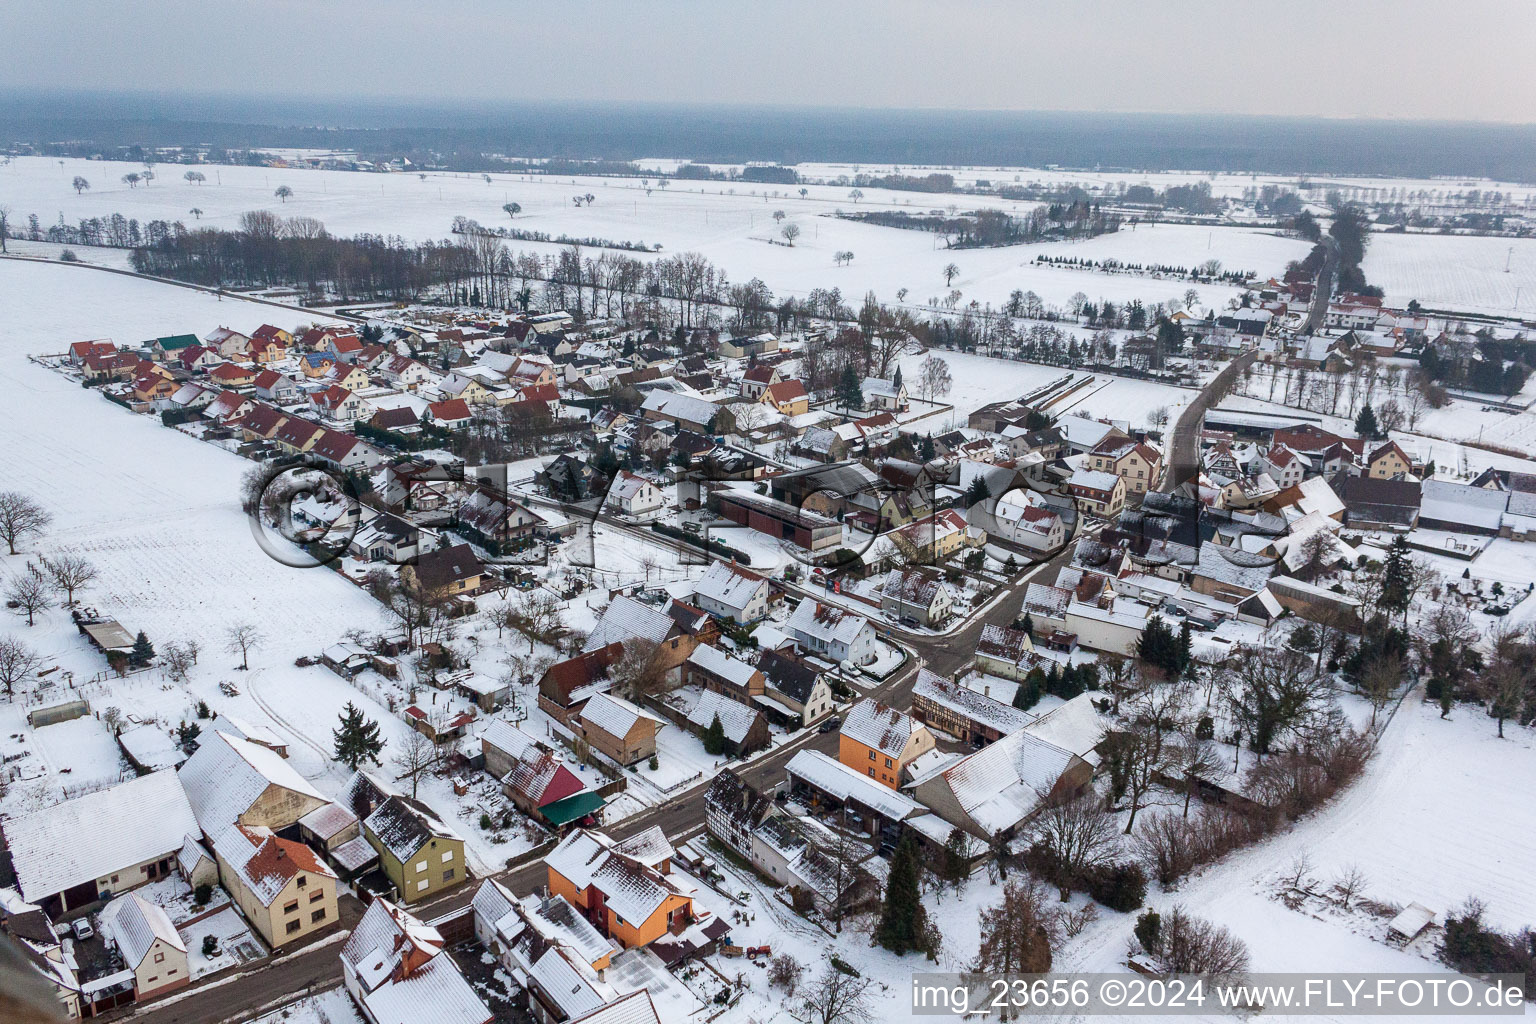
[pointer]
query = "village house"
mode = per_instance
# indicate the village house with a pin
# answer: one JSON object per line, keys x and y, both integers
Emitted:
{"x": 635, "y": 495}
{"x": 226, "y": 342}
{"x": 626, "y": 620}
{"x": 936, "y": 537}
{"x": 713, "y": 669}
{"x": 728, "y": 591}
{"x": 884, "y": 395}
{"x": 284, "y": 890}
{"x": 830, "y": 632}
{"x": 1137, "y": 463}
{"x": 880, "y": 741}
{"x": 419, "y": 853}
{"x": 447, "y": 572}
{"x": 757, "y": 379}
{"x": 395, "y": 969}
{"x": 624, "y": 887}
{"x": 341, "y": 405}
{"x": 1098, "y": 492}
{"x": 231, "y": 780}
{"x": 66, "y": 855}
{"x": 744, "y": 726}
{"x": 618, "y": 729}
{"x": 917, "y": 594}
{"x": 968, "y": 715}
{"x": 536, "y": 778}
{"x": 565, "y": 684}
{"x": 822, "y": 782}
{"x": 275, "y": 387}
{"x": 788, "y": 397}
{"x": 796, "y": 685}
{"x": 147, "y": 941}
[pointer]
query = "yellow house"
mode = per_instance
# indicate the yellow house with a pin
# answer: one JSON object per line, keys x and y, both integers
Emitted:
{"x": 1388, "y": 462}
{"x": 788, "y": 397}
{"x": 282, "y": 888}
{"x": 1138, "y": 464}
{"x": 418, "y": 853}
{"x": 353, "y": 378}
{"x": 880, "y": 742}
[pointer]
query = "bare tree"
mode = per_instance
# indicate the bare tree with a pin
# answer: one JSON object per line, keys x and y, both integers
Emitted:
{"x": 835, "y": 998}
{"x": 80, "y": 184}
{"x": 17, "y": 663}
{"x": 1272, "y": 690}
{"x": 639, "y": 669}
{"x": 1350, "y": 885}
{"x": 784, "y": 972}
{"x": 1196, "y": 761}
{"x": 790, "y": 232}
{"x": 70, "y": 573}
{"x": 178, "y": 659}
{"x": 1075, "y": 835}
{"x": 29, "y": 593}
{"x": 241, "y": 639}
{"x": 1379, "y": 680}
{"x": 1190, "y": 945}
{"x": 195, "y": 177}
{"x": 933, "y": 378}
{"x": 1390, "y": 416}
{"x": 414, "y": 757}
{"x": 20, "y": 516}
{"x": 1158, "y": 417}
{"x": 283, "y": 192}
{"x": 1300, "y": 867}
{"x": 950, "y": 272}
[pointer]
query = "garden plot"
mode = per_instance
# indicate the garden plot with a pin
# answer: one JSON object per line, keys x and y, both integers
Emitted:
{"x": 81, "y": 754}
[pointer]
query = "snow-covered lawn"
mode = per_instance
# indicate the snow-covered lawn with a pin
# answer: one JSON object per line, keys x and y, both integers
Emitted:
{"x": 332, "y": 1006}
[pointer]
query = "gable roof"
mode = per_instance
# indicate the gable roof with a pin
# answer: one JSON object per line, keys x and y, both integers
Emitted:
{"x": 436, "y": 570}
{"x": 736, "y": 718}
{"x": 405, "y": 825}
{"x": 827, "y": 622}
{"x": 136, "y": 925}
{"x": 227, "y": 775}
{"x": 789, "y": 675}
{"x": 721, "y": 665}
{"x": 626, "y": 619}
{"x": 729, "y": 584}
{"x": 80, "y": 840}
{"x": 1002, "y": 784}
{"x": 614, "y": 715}
{"x": 881, "y": 727}
{"x": 970, "y": 704}
{"x": 630, "y": 888}
{"x": 265, "y": 863}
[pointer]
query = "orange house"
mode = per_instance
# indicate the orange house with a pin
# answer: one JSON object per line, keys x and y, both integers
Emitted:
{"x": 624, "y": 888}
{"x": 880, "y": 742}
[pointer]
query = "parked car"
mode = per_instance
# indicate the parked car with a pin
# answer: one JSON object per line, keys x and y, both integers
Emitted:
{"x": 82, "y": 929}
{"x": 831, "y": 724}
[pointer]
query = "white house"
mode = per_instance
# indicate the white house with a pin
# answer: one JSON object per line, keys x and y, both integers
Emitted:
{"x": 635, "y": 495}
{"x": 728, "y": 591}
{"x": 831, "y": 632}
{"x": 880, "y": 393}
{"x": 915, "y": 593}
{"x": 148, "y": 943}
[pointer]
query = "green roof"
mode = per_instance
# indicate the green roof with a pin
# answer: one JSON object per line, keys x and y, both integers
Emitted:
{"x": 572, "y": 807}
{"x": 177, "y": 341}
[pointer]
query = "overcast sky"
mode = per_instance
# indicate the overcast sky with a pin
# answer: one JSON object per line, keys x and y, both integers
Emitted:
{"x": 1468, "y": 60}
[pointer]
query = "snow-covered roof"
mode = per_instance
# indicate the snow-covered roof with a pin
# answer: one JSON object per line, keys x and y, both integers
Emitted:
{"x": 383, "y": 943}
{"x": 843, "y": 783}
{"x": 1074, "y": 725}
{"x": 192, "y": 853}
{"x": 630, "y": 888}
{"x": 968, "y": 703}
{"x": 1000, "y": 785}
{"x": 1447, "y": 502}
{"x": 634, "y": 1008}
{"x": 92, "y": 836}
{"x": 736, "y": 718}
{"x": 729, "y": 585}
{"x": 405, "y": 825}
{"x": 880, "y": 727}
{"x": 826, "y": 622}
{"x": 718, "y": 663}
{"x": 913, "y": 585}
{"x": 227, "y": 775}
{"x": 625, "y": 619}
{"x": 1093, "y": 479}
{"x": 135, "y": 924}
{"x": 614, "y": 715}
{"x": 627, "y": 485}
{"x": 680, "y": 407}
{"x": 328, "y": 820}
{"x": 1044, "y": 599}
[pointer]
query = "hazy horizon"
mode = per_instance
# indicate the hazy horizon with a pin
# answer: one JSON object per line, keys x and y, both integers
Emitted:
{"x": 1190, "y": 57}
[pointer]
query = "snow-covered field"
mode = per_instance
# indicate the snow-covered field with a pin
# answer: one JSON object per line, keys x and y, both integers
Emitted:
{"x": 729, "y": 223}
{"x": 1459, "y": 272}
{"x": 979, "y": 380}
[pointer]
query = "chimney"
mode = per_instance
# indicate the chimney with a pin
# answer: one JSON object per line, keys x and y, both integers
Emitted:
{"x": 986, "y": 691}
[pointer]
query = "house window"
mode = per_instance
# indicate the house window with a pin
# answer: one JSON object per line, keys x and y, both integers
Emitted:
{"x": 871, "y": 773}
{"x": 448, "y": 875}
{"x": 447, "y": 856}
{"x": 871, "y": 755}
{"x": 887, "y": 762}
{"x": 292, "y": 926}
{"x": 317, "y": 896}
{"x": 420, "y": 866}
{"x": 159, "y": 958}
{"x": 289, "y": 908}
{"x": 422, "y": 885}
{"x": 317, "y": 916}
{"x": 171, "y": 973}
{"x": 303, "y": 881}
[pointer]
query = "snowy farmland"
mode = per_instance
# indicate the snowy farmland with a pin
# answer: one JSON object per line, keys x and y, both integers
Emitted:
{"x": 732, "y": 224}
{"x": 1457, "y": 272}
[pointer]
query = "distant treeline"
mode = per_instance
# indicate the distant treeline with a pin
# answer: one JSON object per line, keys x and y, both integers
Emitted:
{"x": 1210, "y": 270}
{"x": 990, "y": 228}
{"x": 907, "y": 182}
{"x": 465, "y": 226}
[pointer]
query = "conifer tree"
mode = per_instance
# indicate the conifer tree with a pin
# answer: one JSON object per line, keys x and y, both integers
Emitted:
{"x": 356, "y": 739}
{"x": 904, "y": 926}
{"x": 714, "y": 738}
{"x": 143, "y": 650}
{"x": 1365, "y": 423}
